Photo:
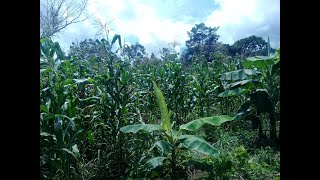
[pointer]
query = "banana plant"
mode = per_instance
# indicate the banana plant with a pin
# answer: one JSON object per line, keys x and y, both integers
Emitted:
{"x": 260, "y": 80}
{"x": 172, "y": 140}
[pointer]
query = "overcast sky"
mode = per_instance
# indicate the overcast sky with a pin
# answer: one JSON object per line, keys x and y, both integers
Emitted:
{"x": 154, "y": 23}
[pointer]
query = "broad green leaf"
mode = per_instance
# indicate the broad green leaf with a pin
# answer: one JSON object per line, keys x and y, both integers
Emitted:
{"x": 214, "y": 120}
{"x": 233, "y": 92}
{"x": 137, "y": 127}
{"x": 258, "y": 61}
{"x": 245, "y": 84}
{"x": 44, "y": 109}
{"x": 239, "y": 74}
{"x": 191, "y": 136}
{"x": 154, "y": 162}
{"x": 199, "y": 145}
{"x": 163, "y": 108}
{"x": 163, "y": 147}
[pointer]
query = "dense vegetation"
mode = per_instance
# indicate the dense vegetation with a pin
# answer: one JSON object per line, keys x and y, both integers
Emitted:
{"x": 108, "y": 111}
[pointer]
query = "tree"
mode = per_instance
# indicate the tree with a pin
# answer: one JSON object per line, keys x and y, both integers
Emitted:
{"x": 134, "y": 51}
{"x": 170, "y": 53}
{"x": 56, "y": 15}
{"x": 165, "y": 53}
{"x": 202, "y": 40}
{"x": 89, "y": 49}
{"x": 231, "y": 50}
{"x": 251, "y": 46}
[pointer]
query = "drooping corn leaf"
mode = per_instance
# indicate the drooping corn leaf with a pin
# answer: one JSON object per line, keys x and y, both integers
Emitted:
{"x": 71, "y": 153}
{"x": 258, "y": 61}
{"x": 214, "y": 120}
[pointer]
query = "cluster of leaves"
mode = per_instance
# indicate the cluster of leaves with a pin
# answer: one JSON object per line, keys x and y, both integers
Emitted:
{"x": 239, "y": 164}
{"x": 237, "y": 160}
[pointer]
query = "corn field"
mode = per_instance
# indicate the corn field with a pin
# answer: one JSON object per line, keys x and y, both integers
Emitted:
{"x": 105, "y": 116}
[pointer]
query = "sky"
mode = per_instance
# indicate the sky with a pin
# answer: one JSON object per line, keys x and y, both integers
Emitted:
{"x": 155, "y": 23}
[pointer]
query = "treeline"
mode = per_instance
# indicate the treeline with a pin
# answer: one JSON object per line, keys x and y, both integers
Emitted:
{"x": 203, "y": 41}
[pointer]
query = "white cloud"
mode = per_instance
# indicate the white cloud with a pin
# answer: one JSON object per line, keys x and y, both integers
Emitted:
{"x": 242, "y": 18}
{"x": 236, "y": 18}
{"x": 143, "y": 23}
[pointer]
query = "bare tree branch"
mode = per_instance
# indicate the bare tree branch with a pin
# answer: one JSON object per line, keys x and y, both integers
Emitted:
{"x": 56, "y": 15}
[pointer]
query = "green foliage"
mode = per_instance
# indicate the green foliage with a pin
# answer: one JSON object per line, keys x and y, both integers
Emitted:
{"x": 175, "y": 139}
{"x": 262, "y": 85}
{"x": 103, "y": 116}
{"x": 134, "y": 52}
{"x": 202, "y": 40}
{"x": 252, "y": 46}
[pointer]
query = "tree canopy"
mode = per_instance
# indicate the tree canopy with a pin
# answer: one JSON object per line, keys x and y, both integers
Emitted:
{"x": 202, "y": 40}
{"x": 134, "y": 51}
